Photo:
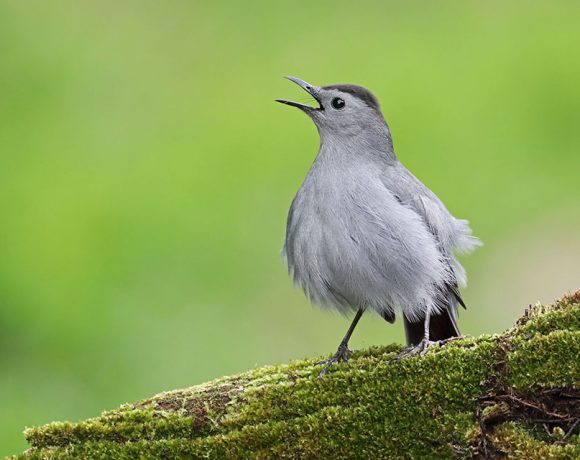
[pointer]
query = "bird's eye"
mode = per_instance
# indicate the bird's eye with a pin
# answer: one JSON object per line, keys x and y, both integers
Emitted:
{"x": 338, "y": 103}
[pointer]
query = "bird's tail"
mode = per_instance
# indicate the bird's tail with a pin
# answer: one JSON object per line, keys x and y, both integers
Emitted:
{"x": 442, "y": 324}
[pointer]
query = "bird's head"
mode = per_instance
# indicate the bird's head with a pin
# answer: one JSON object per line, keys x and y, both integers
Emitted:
{"x": 342, "y": 110}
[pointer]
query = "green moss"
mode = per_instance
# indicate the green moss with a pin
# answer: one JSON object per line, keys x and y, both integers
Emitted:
{"x": 369, "y": 407}
{"x": 512, "y": 438}
{"x": 545, "y": 360}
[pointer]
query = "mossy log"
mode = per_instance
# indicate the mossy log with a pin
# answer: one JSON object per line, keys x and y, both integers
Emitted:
{"x": 515, "y": 394}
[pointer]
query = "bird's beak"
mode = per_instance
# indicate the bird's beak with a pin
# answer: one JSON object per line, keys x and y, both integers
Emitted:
{"x": 310, "y": 89}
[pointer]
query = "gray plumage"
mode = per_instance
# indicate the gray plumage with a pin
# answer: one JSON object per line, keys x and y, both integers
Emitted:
{"x": 362, "y": 231}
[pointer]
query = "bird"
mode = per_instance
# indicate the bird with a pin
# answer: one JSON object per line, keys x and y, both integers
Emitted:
{"x": 364, "y": 234}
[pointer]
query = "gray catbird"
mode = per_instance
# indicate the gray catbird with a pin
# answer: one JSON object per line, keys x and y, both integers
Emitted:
{"x": 364, "y": 234}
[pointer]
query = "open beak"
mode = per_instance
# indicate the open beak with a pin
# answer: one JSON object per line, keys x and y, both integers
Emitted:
{"x": 312, "y": 90}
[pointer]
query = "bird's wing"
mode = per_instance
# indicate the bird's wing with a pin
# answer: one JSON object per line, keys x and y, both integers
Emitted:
{"x": 449, "y": 232}
{"x": 414, "y": 194}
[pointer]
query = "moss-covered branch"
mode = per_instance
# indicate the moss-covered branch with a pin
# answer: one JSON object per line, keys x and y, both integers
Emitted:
{"x": 516, "y": 393}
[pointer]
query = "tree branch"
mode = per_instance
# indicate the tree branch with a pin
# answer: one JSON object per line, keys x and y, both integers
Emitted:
{"x": 513, "y": 394}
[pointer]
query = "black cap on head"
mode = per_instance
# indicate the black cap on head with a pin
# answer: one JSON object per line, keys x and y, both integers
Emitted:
{"x": 358, "y": 91}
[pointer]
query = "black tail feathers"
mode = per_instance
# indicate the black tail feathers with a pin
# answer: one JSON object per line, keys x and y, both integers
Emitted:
{"x": 442, "y": 325}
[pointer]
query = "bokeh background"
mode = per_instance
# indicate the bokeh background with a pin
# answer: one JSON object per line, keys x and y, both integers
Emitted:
{"x": 145, "y": 176}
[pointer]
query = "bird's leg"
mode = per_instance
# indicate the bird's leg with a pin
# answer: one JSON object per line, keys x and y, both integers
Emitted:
{"x": 421, "y": 348}
{"x": 343, "y": 353}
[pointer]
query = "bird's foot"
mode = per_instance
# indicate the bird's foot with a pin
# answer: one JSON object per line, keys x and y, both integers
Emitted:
{"x": 451, "y": 339}
{"x": 341, "y": 355}
{"x": 419, "y": 349}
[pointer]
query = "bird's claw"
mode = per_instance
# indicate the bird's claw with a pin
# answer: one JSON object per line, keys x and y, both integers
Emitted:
{"x": 419, "y": 349}
{"x": 341, "y": 355}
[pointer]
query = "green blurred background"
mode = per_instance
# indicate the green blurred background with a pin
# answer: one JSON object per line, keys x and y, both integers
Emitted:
{"x": 145, "y": 176}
